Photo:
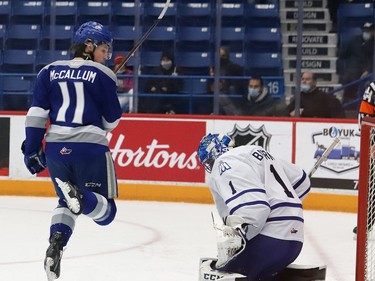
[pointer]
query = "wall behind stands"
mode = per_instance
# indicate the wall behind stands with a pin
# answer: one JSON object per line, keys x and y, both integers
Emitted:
{"x": 155, "y": 156}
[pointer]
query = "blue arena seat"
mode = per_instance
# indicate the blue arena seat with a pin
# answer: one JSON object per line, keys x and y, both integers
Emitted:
{"x": 27, "y": 12}
{"x": 45, "y": 57}
{"x": 233, "y": 38}
{"x": 351, "y": 15}
{"x": 194, "y": 14}
{"x": 99, "y": 11}
{"x": 2, "y": 35}
{"x": 123, "y": 37}
{"x": 62, "y": 36}
{"x": 194, "y": 63}
{"x": 22, "y": 61}
{"x": 17, "y": 92}
{"x": 153, "y": 9}
{"x": 194, "y": 38}
{"x": 5, "y": 12}
{"x": 263, "y": 15}
{"x": 161, "y": 38}
{"x": 198, "y": 104}
{"x": 263, "y": 39}
{"x": 149, "y": 60}
{"x": 232, "y": 14}
{"x": 123, "y": 13}
{"x": 238, "y": 57}
{"x": 63, "y": 13}
{"x": 22, "y": 36}
{"x": 264, "y": 64}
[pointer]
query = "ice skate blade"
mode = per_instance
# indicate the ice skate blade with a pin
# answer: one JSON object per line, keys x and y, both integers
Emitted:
{"x": 73, "y": 202}
{"x": 51, "y": 276}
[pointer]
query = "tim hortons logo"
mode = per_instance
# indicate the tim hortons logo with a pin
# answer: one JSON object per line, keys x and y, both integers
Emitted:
{"x": 152, "y": 155}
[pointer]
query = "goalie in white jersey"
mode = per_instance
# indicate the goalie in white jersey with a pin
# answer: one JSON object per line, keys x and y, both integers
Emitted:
{"x": 259, "y": 199}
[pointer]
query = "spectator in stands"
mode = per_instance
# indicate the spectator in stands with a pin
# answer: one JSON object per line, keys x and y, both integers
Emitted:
{"x": 124, "y": 84}
{"x": 258, "y": 102}
{"x": 315, "y": 103}
{"x": 165, "y": 104}
{"x": 355, "y": 60}
{"x": 229, "y": 87}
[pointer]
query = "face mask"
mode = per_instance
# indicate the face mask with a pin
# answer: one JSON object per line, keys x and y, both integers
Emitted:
{"x": 305, "y": 88}
{"x": 366, "y": 36}
{"x": 166, "y": 65}
{"x": 252, "y": 93}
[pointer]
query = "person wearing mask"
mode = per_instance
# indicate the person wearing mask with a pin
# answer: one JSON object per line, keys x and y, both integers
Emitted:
{"x": 258, "y": 102}
{"x": 355, "y": 60}
{"x": 124, "y": 84}
{"x": 315, "y": 103}
{"x": 163, "y": 85}
{"x": 229, "y": 87}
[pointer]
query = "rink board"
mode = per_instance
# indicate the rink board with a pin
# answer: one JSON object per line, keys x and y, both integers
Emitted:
{"x": 155, "y": 156}
{"x": 174, "y": 193}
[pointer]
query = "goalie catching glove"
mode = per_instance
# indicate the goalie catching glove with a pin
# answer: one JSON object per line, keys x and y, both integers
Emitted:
{"x": 230, "y": 240}
{"x": 36, "y": 161}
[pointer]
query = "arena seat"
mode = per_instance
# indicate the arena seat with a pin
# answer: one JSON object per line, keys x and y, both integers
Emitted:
{"x": 62, "y": 36}
{"x": 64, "y": 13}
{"x": 22, "y": 36}
{"x": 263, "y": 39}
{"x": 45, "y": 57}
{"x": 27, "y": 12}
{"x": 99, "y": 11}
{"x": 22, "y": 61}
{"x": 264, "y": 64}
{"x": 351, "y": 15}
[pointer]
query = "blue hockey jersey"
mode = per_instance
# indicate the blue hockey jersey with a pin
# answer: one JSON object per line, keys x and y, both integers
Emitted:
{"x": 79, "y": 99}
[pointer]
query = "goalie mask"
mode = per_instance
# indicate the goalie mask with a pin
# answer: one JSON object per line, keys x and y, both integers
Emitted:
{"x": 211, "y": 147}
{"x": 95, "y": 33}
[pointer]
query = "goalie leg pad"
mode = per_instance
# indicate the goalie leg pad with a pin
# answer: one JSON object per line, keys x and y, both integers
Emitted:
{"x": 207, "y": 273}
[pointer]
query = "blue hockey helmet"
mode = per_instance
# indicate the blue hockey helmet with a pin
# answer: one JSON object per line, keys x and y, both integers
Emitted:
{"x": 211, "y": 147}
{"x": 95, "y": 33}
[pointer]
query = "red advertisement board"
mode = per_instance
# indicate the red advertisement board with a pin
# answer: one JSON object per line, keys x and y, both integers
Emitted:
{"x": 157, "y": 150}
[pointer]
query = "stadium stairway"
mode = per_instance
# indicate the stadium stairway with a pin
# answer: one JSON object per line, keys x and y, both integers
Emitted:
{"x": 318, "y": 45}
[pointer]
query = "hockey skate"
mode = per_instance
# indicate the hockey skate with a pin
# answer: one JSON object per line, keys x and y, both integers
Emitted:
{"x": 53, "y": 256}
{"x": 72, "y": 196}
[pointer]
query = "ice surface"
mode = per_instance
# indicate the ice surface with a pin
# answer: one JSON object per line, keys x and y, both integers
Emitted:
{"x": 155, "y": 241}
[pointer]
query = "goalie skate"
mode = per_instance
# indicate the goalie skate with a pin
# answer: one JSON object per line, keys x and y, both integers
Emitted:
{"x": 206, "y": 272}
{"x": 53, "y": 257}
{"x": 72, "y": 196}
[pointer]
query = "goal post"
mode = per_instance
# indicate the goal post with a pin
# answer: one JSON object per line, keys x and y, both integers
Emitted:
{"x": 365, "y": 256}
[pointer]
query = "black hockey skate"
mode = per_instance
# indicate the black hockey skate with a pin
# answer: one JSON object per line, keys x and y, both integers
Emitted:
{"x": 53, "y": 256}
{"x": 72, "y": 196}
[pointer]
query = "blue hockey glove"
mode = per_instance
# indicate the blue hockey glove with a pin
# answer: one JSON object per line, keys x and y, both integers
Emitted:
{"x": 36, "y": 161}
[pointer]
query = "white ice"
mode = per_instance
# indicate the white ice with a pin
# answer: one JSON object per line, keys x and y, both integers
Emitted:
{"x": 155, "y": 241}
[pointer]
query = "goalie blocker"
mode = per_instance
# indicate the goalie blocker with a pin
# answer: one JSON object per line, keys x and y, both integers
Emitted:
{"x": 293, "y": 272}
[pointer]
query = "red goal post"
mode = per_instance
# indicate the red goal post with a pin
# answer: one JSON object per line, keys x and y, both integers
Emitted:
{"x": 365, "y": 258}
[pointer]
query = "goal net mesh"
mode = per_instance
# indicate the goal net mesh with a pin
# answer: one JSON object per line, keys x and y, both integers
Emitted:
{"x": 365, "y": 267}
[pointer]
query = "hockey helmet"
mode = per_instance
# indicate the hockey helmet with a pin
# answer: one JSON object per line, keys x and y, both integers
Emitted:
{"x": 95, "y": 33}
{"x": 211, "y": 147}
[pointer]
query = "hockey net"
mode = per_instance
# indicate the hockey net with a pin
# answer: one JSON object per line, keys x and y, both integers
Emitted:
{"x": 365, "y": 259}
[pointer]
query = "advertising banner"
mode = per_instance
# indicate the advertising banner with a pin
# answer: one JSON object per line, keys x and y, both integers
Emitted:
{"x": 4, "y": 145}
{"x": 157, "y": 150}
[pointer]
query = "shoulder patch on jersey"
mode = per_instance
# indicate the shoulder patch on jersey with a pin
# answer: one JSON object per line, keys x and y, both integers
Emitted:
{"x": 223, "y": 166}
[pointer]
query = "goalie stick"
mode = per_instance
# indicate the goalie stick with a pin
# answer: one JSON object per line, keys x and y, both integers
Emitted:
{"x": 323, "y": 157}
{"x": 144, "y": 37}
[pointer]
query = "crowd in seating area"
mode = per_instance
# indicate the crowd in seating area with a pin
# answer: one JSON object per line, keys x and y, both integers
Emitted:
{"x": 190, "y": 38}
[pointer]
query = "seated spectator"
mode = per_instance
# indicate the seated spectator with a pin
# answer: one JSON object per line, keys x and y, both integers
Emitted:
{"x": 163, "y": 85}
{"x": 124, "y": 84}
{"x": 259, "y": 102}
{"x": 355, "y": 60}
{"x": 315, "y": 103}
{"x": 229, "y": 87}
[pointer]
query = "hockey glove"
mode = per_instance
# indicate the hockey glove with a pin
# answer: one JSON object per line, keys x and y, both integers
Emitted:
{"x": 36, "y": 161}
{"x": 230, "y": 243}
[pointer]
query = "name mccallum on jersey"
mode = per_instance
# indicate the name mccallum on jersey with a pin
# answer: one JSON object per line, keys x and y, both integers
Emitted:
{"x": 152, "y": 155}
{"x": 74, "y": 74}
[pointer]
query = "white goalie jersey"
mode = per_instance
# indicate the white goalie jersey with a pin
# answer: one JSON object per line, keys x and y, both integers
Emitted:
{"x": 249, "y": 182}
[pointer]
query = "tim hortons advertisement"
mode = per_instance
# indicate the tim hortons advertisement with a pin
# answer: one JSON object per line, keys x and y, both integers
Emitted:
{"x": 157, "y": 150}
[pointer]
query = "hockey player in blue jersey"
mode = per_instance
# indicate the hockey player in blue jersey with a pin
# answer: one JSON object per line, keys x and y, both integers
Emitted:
{"x": 259, "y": 199}
{"x": 78, "y": 97}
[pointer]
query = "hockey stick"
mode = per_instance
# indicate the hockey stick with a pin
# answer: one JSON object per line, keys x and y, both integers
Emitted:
{"x": 144, "y": 37}
{"x": 324, "y": 156}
